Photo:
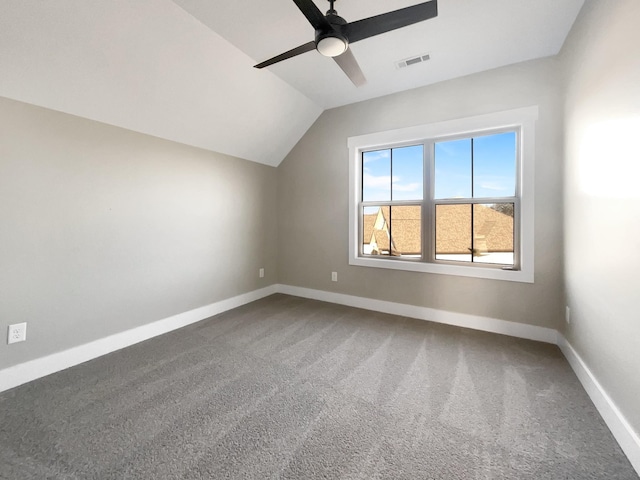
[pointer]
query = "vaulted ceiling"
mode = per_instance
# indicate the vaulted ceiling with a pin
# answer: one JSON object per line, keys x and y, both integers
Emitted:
{"x": 182, "y": 69}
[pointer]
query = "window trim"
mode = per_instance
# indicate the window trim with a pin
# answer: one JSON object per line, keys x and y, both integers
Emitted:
{"x": 521, "y": 118}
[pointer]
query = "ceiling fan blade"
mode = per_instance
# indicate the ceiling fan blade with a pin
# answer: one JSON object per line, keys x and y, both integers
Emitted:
{"x": 386, "y": 22}
{"x": 347, "y": 62}
{"x": 307, "y": 47}
{"x": 313, "y": 14}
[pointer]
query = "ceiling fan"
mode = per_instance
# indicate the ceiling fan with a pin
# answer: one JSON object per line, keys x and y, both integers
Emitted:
{"x": 334, "y": 34}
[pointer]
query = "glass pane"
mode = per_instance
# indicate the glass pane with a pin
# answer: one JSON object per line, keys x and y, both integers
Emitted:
{"x": 406, "y": 173}
{"x": 453, "y": 169}
{"x": 494, "y": 165}
{"x": 375, "y": 231}
{"x": 453, "y": 232}
{"x": 493, "y": 233}
{"x": 376, "y": 176}
{"x": 406, "y": 231}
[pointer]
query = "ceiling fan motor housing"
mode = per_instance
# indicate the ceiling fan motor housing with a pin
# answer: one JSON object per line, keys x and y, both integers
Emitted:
{"x": 334, "y": 42}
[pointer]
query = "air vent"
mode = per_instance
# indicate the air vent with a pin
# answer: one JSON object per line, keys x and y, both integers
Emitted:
{"x": 407, "y": 62}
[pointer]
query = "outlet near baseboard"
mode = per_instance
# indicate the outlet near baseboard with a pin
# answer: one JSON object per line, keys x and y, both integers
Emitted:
{"x": 17, "y": 333}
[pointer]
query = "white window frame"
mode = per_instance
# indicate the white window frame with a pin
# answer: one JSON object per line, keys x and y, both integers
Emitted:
{"x": 521, "y": 119}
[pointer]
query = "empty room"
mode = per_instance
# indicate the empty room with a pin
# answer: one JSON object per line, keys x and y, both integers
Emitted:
{"x": 319, "y": 239}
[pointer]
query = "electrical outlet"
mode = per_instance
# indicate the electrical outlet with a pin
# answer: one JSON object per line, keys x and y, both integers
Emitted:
{"x": 567, "y": 314}
{"x": 334, "y": 276}
{"x": 17, "y": 333}
{"x": 261, "y": 273}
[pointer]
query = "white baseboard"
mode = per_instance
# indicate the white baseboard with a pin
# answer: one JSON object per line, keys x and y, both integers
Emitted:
{"x": 627, "y": 438}
{"x": 475, "y": 322}
{"x": 25, "y": 372}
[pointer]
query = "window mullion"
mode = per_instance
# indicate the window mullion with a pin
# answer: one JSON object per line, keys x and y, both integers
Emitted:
{"x": 428, "y": 215}
{"x": 473, "y": 246}
{"x": 391, "y": 197}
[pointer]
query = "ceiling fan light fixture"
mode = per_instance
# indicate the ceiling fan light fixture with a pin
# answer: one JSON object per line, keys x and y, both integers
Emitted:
{"x": 332, "y": 46}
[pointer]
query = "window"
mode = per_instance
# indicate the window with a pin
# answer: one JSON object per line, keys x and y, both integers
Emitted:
{"x": 453, "y": 198}
{"x": 391, "y": 209}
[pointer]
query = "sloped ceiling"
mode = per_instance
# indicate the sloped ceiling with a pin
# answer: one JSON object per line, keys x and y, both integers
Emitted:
{"x": 182, "y": 70}
{"x": 151, "y": 67}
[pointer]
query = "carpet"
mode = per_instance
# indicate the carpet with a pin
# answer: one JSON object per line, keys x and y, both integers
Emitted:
{"x": 290, "y": 388}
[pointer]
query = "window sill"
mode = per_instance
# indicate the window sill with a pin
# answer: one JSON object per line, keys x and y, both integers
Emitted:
{"x": 493, "y": 273}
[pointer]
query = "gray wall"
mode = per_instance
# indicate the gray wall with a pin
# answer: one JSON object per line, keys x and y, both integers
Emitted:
{"x": 313, "y": 198}
{"x": 103, "y": 229}
{"x": 602, "y": 196}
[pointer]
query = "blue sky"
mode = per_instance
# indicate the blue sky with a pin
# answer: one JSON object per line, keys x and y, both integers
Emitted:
{"x": 401, "y": 179}
{"x": 494, "y": 168}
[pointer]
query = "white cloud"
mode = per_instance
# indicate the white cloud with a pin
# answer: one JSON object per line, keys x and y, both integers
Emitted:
{"x": 373, "y": 156}
{"x": 372, "y": 181}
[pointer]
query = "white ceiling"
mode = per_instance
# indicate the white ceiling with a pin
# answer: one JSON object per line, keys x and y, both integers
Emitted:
{"x": 182, "y": 69}
{"x": 467, "y": 36}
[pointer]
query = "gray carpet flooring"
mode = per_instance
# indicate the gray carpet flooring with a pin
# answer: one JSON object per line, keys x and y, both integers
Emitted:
{"x": 288, "y": 388}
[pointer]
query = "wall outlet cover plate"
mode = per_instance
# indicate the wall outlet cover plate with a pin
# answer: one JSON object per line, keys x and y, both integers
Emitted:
{"x": 17, "y": 333}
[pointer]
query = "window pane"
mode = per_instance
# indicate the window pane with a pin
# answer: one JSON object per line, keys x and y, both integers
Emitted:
{"x": 376, "y": 176}
{"x": 494, "y": 165}
{"x": 406, "y": 231}
{"x": 453, "y": 232}
{"x": 407, "y": 173}
{"x": 493, "y": 233}
{"x": 375, "y": 231}
{"x": 453, "y": 169}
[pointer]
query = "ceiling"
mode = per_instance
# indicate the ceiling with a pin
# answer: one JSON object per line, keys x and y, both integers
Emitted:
{"x": 467, "y": 36}
{"x": 182, "y": 69}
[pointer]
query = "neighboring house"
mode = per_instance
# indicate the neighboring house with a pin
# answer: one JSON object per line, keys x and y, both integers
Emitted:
{"x": 376, "y": 236}
{"x": 493, "y": 230}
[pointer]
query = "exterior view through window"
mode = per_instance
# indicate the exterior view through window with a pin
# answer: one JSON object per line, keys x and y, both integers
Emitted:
{"x": 446, "y": 201}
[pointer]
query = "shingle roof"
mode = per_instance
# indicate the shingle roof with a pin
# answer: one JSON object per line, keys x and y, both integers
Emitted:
{"x": 406, "y": 229}
{"x": 493, "y": 229}
{"x": 381, "y": 239}
{"x": 368, "y": 221}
